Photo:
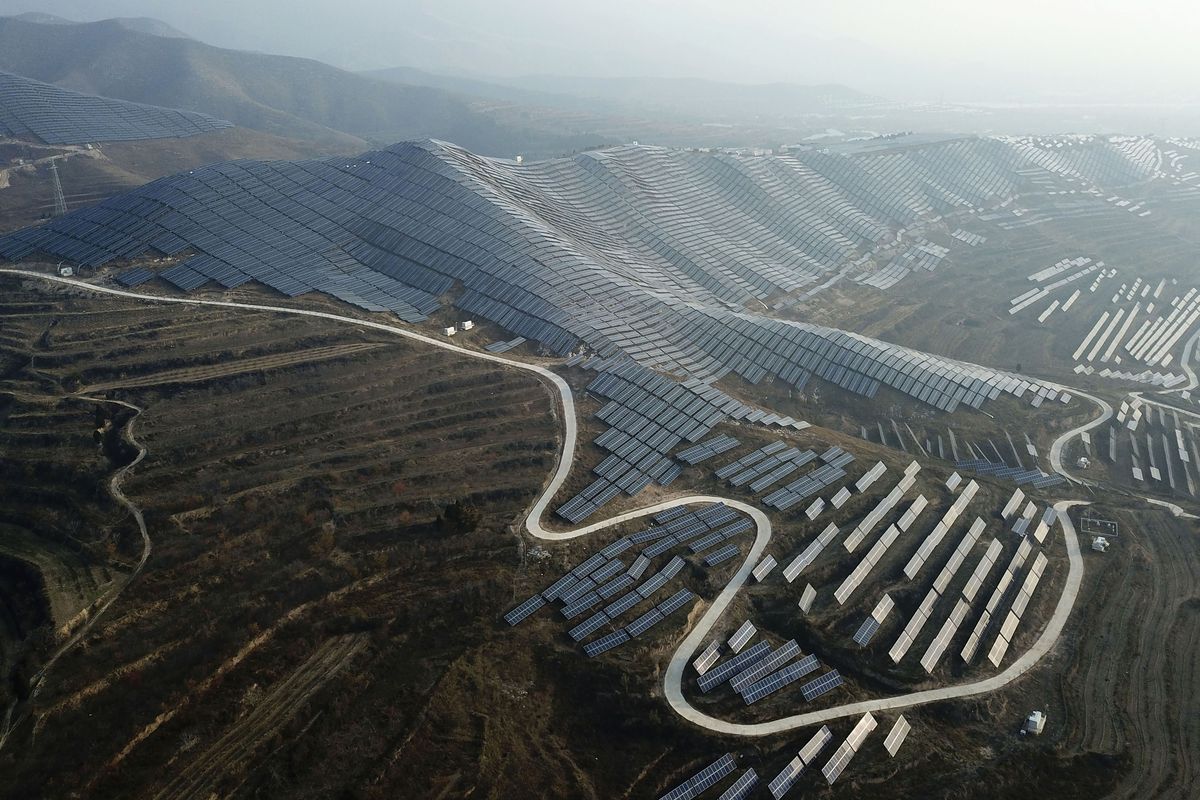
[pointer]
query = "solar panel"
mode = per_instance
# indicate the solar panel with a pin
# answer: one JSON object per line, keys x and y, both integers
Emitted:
{"x": 702, "y": 780}
{"x": 724, "y": 554}
{"x": 617, "y": 547}
{"x": 764, "y": 567}
{"x": 606, "y": 643}
{"x": 615, "y": 586}
{"x": 555, "y": 589}
{"x": 525, "y": 609}
{"x": 819, "y": 686}
{"x": 723, "y": 672}
{"x": 776, "y": 681}
{"x": 866, "y": 632}
{"x": 741, "y": 636}
{"x": 813, "y": 747}
{"x": 707, "y": 658}
{"x": 837, "y": 763}
{"x": 896, "y": 736}
{"x": 841, "y": 757}
{"x": 742, "y": 787}
{"x": 588, "y": 626}
{"x": 676, "y": 602}
{"x": 644, "y": 623}
{"x": 786, "y": 779}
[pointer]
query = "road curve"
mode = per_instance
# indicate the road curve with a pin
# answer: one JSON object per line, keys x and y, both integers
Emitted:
{"x": 674, "y": 676}
{"x": 1016, "y": 669}
{"x": 1056, "y": 447}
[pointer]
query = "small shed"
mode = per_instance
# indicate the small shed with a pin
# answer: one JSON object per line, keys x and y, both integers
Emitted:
{"x": 450, "y": 331}
{"x": 1035, "y": 723}
{"x": 1100, "y": 544}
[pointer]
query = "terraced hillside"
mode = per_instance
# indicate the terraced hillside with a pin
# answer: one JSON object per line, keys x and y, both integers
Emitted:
{"x": 306, "y": 627}
{"x": 292, "y": 502}
{"x": 59, "y": 529}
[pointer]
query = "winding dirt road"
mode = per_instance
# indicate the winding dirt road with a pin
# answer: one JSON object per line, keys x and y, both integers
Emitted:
{"x": 102, "y": 605}
{"x": 676, "y": 668}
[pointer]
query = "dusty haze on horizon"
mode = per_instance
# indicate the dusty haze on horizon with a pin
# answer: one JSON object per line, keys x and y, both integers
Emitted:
{"x": 1065, "y": 51}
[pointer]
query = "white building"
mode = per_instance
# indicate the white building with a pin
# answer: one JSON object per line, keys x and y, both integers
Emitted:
{"x": 1035, "y": 723}
{"x": 450, "y": 331}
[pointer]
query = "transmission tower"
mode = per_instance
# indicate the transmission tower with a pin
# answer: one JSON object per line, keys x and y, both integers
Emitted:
{"x": 60, "y": 202}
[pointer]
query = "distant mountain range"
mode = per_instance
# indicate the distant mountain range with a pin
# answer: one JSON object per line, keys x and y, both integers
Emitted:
{"x": 292, "y": 97}
{"x": 149, "y": 25}
{"x": 693, "y": 99}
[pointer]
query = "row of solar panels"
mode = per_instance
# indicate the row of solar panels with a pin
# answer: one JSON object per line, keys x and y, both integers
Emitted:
{"x": 1033, "y": 477}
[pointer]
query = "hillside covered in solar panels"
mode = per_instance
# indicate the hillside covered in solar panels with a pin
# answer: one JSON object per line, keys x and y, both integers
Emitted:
{"x": 639, "y": 252}
{"x": 53, "y": 115}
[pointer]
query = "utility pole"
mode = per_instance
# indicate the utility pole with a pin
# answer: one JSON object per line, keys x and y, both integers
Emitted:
{"x": 60, "y": 202}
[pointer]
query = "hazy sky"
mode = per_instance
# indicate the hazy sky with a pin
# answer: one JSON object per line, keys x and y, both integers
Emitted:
{"x": 926, "y": 49}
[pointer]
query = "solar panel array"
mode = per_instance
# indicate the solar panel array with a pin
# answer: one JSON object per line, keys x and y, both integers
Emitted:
{"x": 841, "y": 757}
{"x": 700, "y": 529}
{"x": 54, "y": 115}
{"x": 993, "y": 603}
{"x": 870, "y": 626}
{"x": 603, "y": 576}
{"x": 723, "y": 672}
{"x": 881, "y": 509}
{"x": 1018, "y": 475}
{"x": 634, "y": 251}
{"x": 934, "y": 538}
{"x": 707, "y": 449}
{"x": 819, "y": 686}
{"x": 742, "y": 787}
{"x": 806, "y": 486}
{"x": 704, "y": 779}
{"x": 776, "y": 681}
{"x": 649, "y": 414}
{"x": 810, "y": 553}
{"x": 776, "y": 659}
{"x": 787, "y": 778}
{"x": 866, "y": 565}
{"x": 1008, "y": 629}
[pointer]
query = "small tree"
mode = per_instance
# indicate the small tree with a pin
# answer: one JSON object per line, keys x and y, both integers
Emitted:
{"x": 459, "y": 517}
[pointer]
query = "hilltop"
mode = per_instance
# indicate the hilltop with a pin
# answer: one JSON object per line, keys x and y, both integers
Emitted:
{"x": 286, "y": 96}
